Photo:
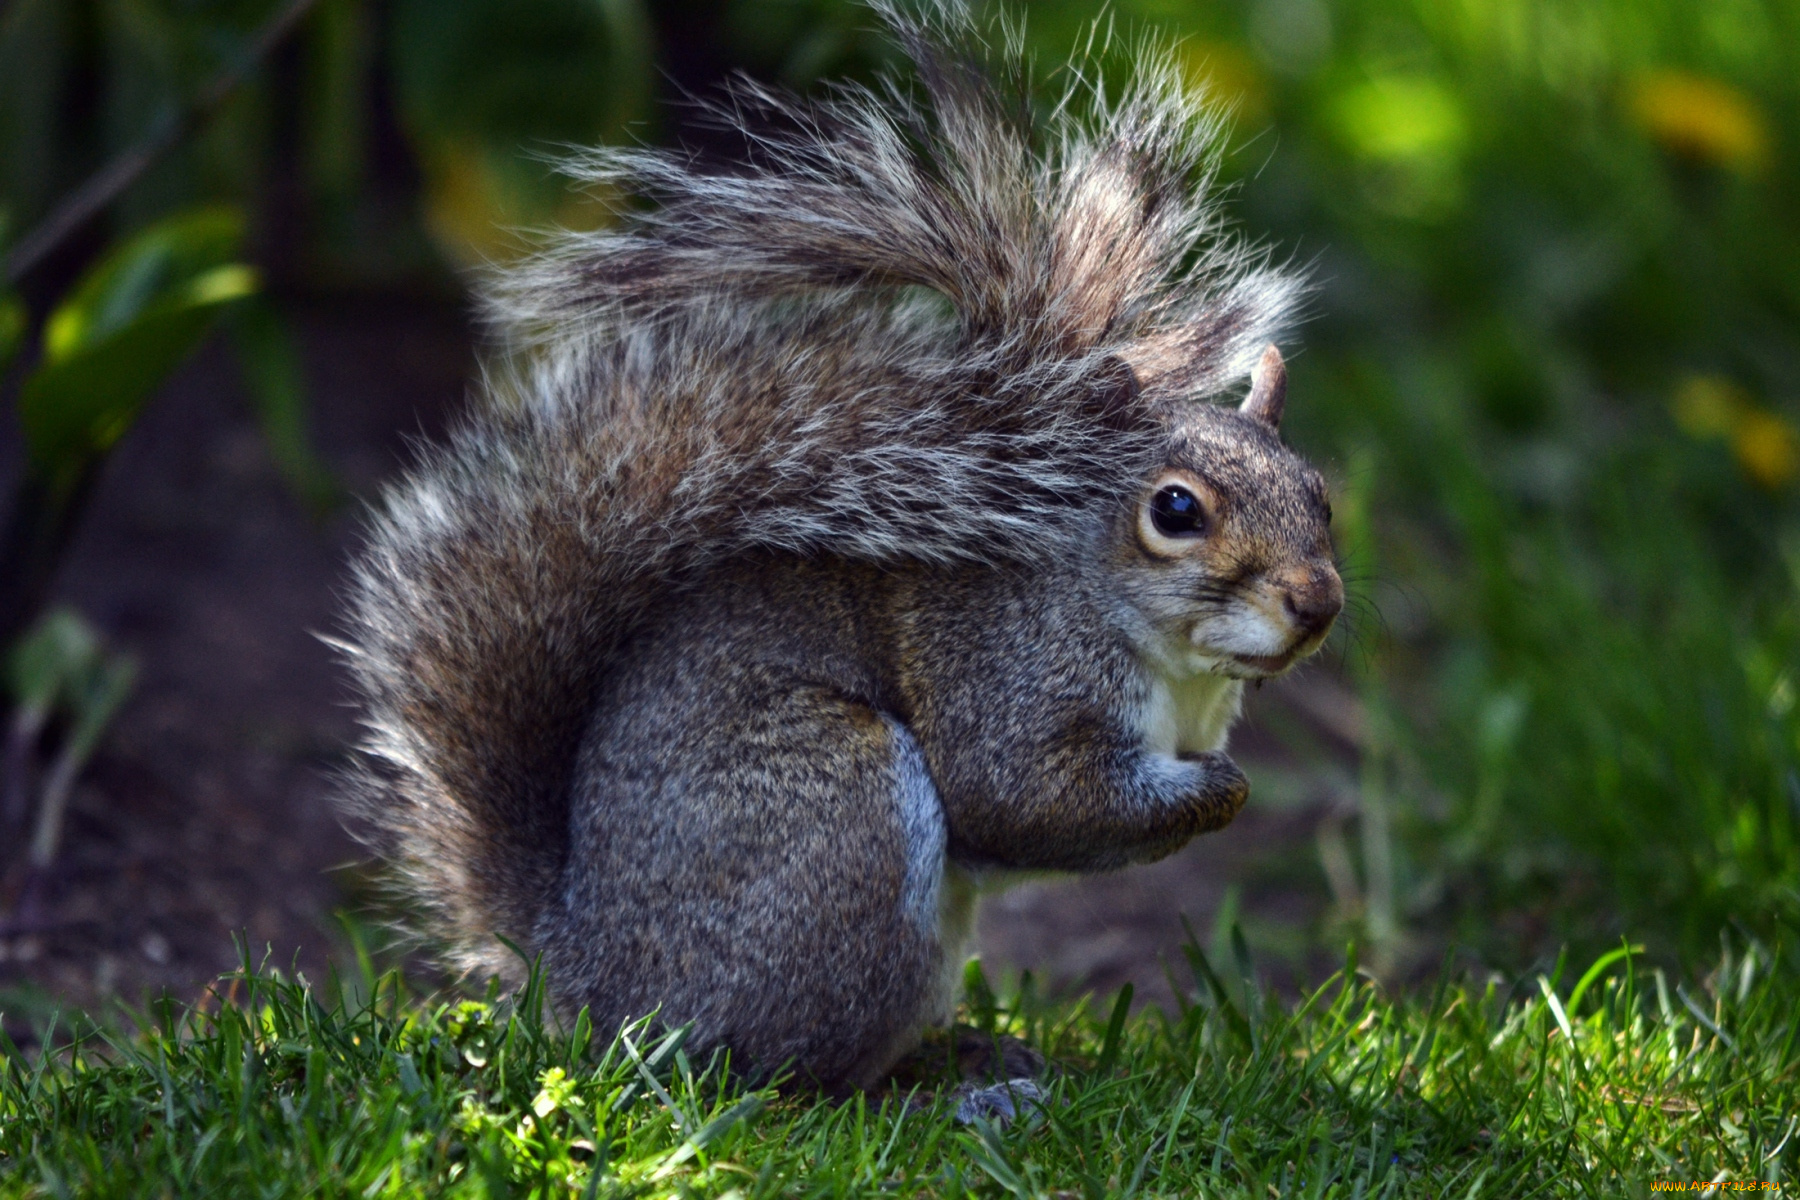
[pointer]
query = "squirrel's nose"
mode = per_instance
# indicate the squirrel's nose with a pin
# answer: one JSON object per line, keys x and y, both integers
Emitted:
{"x": 1314, "y": 604}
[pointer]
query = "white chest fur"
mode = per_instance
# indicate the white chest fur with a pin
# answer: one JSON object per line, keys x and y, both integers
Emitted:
{"x": 1189, "y": 711}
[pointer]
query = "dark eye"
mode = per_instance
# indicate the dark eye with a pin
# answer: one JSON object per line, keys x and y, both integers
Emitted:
{"x": 1176, "y": 512}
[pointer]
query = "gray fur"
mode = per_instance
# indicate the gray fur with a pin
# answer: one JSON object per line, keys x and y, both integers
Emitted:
{"x": 922, "y": 819}
{"x": 744, "y": 538}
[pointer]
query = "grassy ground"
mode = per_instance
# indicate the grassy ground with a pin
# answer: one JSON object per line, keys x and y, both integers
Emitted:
{"x": 1606, "y": 1081}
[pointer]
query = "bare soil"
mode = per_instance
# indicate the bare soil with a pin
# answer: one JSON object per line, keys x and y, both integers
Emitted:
{"x": 208, "y": 815}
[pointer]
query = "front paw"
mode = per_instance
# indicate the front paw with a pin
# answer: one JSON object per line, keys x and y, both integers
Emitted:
{"x": 1222, "y": 791}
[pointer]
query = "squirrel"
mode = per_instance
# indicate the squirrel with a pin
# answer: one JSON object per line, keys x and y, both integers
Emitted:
{"x": 836, "y": 539}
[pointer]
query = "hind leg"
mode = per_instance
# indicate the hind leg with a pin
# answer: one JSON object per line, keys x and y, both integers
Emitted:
{"x": 776, "y": 878}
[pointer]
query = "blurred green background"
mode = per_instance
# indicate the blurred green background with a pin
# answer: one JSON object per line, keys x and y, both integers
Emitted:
{"x": 1552, "y": 362}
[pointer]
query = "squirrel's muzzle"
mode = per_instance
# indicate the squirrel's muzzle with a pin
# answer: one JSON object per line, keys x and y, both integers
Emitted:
{"x": 1312, "y": 600}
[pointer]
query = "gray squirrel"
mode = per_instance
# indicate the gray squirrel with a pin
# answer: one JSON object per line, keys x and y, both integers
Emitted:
{"x": 841, "y": 537}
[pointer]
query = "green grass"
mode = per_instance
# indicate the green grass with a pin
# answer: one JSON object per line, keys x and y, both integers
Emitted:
{"x": 1596, "y": 1083}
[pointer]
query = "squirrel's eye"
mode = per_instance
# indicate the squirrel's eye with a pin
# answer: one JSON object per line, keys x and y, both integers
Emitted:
{"x": 1176, "y": 512}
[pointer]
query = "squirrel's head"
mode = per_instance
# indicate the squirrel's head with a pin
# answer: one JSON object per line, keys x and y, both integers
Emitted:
{"x": 1226, "y": 554}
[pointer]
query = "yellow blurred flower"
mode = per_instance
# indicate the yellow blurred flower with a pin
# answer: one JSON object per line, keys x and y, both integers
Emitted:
{"x": 1767, "y": 448}
{"x": 1765, "y": 444}
{"x": 1230, "y": 77}
{"x": 478, "y": 211}
{"x": 466, "y": 206}
{"x": 1702, "y": 118}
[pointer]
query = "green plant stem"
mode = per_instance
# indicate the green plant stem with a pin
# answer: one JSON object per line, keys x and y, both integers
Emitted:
{"x": 15, "y": 764}
{"x": 42, "y": 520}
{"x": 94, "y": 714}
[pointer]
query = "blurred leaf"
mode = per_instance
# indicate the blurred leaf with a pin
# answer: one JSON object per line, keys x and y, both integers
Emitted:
{"x": 272, "y": 370}
{"x": 60, "y": 649}
{"x": 1409, "y": 132}
{"x": 13, "y": 318}
{"x": 63, "y": 662}
{"x": 491, "y": 89}
{"x": 1401, "y": 119}
{"x": 551, "y": 71}
{"x": 337, "y": 52}
{"x": 1708, "y": 406}
{"x": 160, "y": 266}
{"x": 802, "y": 40}
{"x": 94, "y": 699}
{"x": 129, "y": 323}
{"x": 12, "y": 329}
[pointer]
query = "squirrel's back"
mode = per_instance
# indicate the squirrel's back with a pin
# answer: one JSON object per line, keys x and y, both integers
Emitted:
{"x": 764, "y": 361}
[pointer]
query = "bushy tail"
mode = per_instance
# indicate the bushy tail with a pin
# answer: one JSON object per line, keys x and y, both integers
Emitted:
{"x": 748, "y": 365}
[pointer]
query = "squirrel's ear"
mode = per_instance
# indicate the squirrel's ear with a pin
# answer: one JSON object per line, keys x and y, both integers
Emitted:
{"x": 1268, "y": 389}
{"x": 1116, "y": 393}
